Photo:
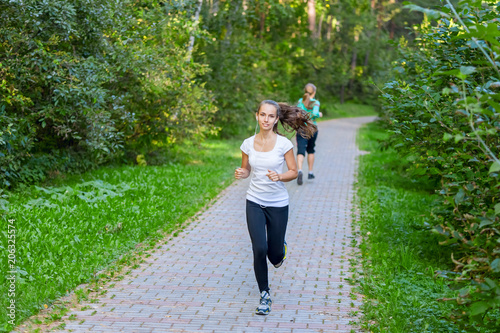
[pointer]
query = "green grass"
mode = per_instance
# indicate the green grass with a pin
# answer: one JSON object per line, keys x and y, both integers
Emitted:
{"x": 68, "y": 232}
{"x": 406, "y": 271}
{"x": 347, "y": 110}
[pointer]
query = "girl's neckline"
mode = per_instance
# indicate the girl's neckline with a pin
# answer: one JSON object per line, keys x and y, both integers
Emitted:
{"x": 275, "y": 144}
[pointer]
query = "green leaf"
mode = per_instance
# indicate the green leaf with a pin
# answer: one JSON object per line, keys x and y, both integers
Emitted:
{"x": 478, "y": 308}
{"x": 497, "y": 209}
{"x": 495, "y": 265}
{"x": 459, "y": 197}
{"x": 431, "y": 13}
{"x": 485, "y": 222}
{"x": 447, "y": 136}
{"x": 458, "y": 137}
{"x": 466, "y": 70}
{"x": 495, "y": 167}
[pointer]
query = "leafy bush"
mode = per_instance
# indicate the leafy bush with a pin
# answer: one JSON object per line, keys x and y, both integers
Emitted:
{"x": 90, "y": 80}
{"x": 443, "y": 111}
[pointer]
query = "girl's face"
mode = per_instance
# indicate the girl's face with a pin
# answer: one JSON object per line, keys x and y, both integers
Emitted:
{"x": 267, "y": 116}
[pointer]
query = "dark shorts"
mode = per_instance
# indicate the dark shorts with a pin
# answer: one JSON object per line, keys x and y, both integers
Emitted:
{"x": 306, "y": 145}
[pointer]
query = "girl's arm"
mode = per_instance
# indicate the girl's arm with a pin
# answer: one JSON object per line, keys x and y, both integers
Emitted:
{"x": 244, "y": 171}
{"x": 315, "y": 111}
{"x": 291, "y": 174}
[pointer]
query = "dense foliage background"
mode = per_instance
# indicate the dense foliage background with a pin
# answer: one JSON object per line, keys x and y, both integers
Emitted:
{"x": 83, "y": 82}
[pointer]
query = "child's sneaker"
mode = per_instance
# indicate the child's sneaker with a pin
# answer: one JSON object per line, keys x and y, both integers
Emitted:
{"x": 265, "y": 304}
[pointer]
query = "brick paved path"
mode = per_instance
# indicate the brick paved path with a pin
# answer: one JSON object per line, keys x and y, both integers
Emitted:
{"x": 203, "y": 280}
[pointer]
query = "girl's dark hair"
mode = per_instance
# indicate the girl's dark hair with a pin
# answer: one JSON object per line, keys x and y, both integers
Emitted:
{"x": 309, "y": 89}
{"x": 293, "y": 118}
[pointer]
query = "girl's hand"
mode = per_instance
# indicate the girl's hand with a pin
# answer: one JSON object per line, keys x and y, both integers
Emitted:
{"x": 273, "y": 176}
{"x": 321, "y": 114}
{"x": 239, "y": 173}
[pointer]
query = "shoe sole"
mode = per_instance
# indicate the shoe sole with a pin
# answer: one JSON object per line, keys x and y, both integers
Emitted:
{"x": 262, "y": 313}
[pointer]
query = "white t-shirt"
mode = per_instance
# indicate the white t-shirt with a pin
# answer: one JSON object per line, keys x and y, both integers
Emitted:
{"x": 262, "y": 190}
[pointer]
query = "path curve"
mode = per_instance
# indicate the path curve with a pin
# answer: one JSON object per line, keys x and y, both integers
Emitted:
{"x": 203, "y": 281}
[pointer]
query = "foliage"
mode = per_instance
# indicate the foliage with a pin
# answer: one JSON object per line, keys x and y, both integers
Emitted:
{"x": 264, "y": 49}
{"x": 87, "y": 80}
{"x": 69, "y": 232}
{"x": 443, "y": 111}
{"x": 406, "y": 271}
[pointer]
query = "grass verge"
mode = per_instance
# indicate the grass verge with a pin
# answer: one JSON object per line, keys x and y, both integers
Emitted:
{"x": 406, "y": 272}
{"x": 68, "y": 233}
{"x": 346, "y": 110}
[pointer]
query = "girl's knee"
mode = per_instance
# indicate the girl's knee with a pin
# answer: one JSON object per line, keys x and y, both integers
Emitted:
{"x": 260, "y": 251}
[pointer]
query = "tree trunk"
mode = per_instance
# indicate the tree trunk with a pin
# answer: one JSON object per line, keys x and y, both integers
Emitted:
{"x": 214, "y": 6}
{"x": 365, "y": 65}
{"x": 353, "y": 68}
{"x": 262, "y": 24}
{"x": 342, "y": 92}
{"x": 320, "y": 24}
{"x": 261, "y": 12}
{"x": 229, "y": 23}
{"x": 380, "y": 9}
{"x": 353, "y": 62}
{"x": 311, "y": 14}
{"x": 393, "y": 27}
{"x": 191, "y": 38}
{"x": 329, "y": 20}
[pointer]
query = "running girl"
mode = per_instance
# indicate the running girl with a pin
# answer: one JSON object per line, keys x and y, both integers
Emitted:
{"x": 267, "y": 198}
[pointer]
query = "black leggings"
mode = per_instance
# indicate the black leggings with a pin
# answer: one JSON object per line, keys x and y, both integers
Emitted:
{"x": 272, "y": 245}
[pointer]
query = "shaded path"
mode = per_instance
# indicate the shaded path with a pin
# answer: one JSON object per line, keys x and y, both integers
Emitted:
{"x": 203, "y": 281}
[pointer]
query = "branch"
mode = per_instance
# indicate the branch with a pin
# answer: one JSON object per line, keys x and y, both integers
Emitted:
{"x": 473, "y": 38}
{"x": 191, "y": 38}
{"x": 471, "y": 123}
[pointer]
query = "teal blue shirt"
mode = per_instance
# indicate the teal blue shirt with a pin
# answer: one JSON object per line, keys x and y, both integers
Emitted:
{"x": 314, "y": 111}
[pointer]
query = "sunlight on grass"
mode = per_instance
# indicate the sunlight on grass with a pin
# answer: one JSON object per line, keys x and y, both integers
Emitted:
{"x": 346, "y": 110}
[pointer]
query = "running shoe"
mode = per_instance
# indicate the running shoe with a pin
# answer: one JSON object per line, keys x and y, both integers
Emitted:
{"x": 310, "y": 176}
{"x": 299, "y": 178}
{"x": 285, "y": 250}
{"x": 265, "y": 304}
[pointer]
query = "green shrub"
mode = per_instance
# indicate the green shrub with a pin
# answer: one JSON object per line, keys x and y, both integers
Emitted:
{"x": 443, "y": 111}
{"x": 94, "y": 79}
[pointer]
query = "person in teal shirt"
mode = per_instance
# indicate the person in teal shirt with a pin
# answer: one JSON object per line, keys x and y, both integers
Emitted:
{"x": 310, "y": 105}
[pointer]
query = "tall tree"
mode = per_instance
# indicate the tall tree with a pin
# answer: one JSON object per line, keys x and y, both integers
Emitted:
{"x": 311, "y": 15}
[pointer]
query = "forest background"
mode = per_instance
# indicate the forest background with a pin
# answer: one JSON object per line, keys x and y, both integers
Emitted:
{"x": 85, "y": 84}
